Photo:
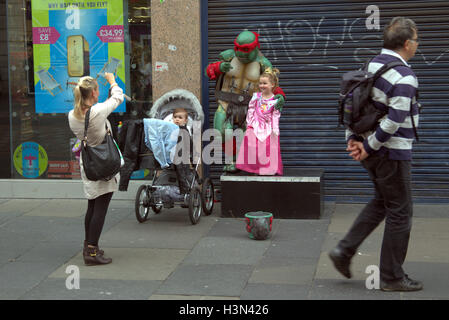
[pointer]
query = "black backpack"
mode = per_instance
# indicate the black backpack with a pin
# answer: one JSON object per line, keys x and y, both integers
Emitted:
{"x": 355, "y": 107}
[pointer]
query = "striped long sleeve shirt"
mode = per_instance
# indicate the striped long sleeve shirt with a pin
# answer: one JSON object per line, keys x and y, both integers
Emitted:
{"x": 394, "y": 92}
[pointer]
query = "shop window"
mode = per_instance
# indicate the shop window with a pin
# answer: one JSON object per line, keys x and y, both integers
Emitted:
{"x": 51, "y": 44}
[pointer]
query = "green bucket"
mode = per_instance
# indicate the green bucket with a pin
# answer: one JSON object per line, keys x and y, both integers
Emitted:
{"x": 259, "y": 224}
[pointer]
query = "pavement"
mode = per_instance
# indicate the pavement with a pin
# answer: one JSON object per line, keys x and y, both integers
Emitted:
{"x": 168, "y": 258}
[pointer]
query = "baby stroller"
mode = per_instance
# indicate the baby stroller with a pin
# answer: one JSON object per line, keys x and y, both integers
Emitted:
{"x": 178, "y": 184}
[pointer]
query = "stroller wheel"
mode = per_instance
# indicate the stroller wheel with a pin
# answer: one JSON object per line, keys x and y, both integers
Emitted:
{"x": 195, "y": 206}
{"x": 156, "y": 208}
{"x": 142, "y": 203}
{"x": 207, "y": 196}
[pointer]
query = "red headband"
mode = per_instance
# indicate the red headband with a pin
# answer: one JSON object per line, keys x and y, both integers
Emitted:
{"x": 249, "y": 46}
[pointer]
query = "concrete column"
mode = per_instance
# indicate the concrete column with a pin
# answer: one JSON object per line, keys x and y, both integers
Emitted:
{"x": 176, "y": 46}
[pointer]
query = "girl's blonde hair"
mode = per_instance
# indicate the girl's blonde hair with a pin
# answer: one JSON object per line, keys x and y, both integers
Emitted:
{"x": 83, "y": 90}
{"x": 272, "y": 74}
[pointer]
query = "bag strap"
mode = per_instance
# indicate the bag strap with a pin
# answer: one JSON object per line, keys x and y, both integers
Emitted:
{"x": 86, "y": 125}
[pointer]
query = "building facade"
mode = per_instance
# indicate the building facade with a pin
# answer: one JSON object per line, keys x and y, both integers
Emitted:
{"x": 46, "y": 46}
{"x": 166, "y": 44}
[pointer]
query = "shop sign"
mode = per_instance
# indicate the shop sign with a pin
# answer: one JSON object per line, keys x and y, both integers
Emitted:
{"x": 72, "y": 39}
{"x": 30, "y": 160}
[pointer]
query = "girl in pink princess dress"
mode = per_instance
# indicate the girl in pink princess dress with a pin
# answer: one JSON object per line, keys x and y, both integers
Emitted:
{"x": 260, "y": 151}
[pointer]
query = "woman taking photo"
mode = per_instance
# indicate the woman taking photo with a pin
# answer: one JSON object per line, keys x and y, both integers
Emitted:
{"x": 98, "y": 193}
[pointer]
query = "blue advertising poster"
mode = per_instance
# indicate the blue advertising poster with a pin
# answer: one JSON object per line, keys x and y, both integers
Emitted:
{"x": 72, "y": 39}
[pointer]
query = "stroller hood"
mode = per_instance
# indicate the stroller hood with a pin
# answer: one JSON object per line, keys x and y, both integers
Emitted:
{"x": 178, "y": 98}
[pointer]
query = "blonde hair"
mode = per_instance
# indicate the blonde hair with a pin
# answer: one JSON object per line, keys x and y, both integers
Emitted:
{"x": 83, "y": 91}
{"x": 272, "y": 74}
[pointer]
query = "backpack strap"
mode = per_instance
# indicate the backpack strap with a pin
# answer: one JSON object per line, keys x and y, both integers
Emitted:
{"x": 415, "y": 131}
{"x": 387, "y": 67}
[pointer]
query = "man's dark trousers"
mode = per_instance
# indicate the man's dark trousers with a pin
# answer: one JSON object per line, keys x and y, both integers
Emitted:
{"x": 392, "y": 202}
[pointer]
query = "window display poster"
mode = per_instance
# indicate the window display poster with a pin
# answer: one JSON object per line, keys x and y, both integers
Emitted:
{"x": 72, "y": 39}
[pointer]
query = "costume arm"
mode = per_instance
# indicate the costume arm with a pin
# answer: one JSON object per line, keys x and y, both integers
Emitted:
{"x": 279, "y": 90}
{"x": 227, "y": 55}
{"x": 280, "y": 96}
{"x": 213, "y": 70}
{"x": 264, "y": 63}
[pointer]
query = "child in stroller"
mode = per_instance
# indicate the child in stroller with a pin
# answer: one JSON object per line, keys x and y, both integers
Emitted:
{"x": 175, "y": 181}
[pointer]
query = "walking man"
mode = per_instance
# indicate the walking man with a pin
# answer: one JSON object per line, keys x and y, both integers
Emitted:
{"x": 386, "y": 154}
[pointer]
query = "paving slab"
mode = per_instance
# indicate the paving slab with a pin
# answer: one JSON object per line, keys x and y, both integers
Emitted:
{"x": 431, "y": 228}
{"x": 372, "y": 243}
{"x": 225, "y": 250}
{"x": 341, "y": 223}
{"x": 165, "y": 232}
{"x": 122, "y": 204}
{"x": 21, "y": 205}
{"x": 294, "y": 229}
{"x": 261, "y": 292}
{"x": 351, "y": 209}
{"x": 207, "y": 280}
{"x": 129, "y": 264}
{"x": 50, "y": 251}
{"x": 304, "y": 247}
{"x": 295, "y": 271}
{"x": 17, "y": 278}
{"x": 92, "y": 289}
{"x": 428, "y": 250}
{"x": 63, "y": 208}
{"x": 233, "y": 228}
{"x": 6, "y": 217}
{"x": 430, "y": 211}
{"x": 35, "y": 228}
{"x": 12, "y": 246}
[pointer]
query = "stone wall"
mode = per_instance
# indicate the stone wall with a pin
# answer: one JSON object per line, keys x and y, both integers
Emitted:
{"x": 176, "y": 46}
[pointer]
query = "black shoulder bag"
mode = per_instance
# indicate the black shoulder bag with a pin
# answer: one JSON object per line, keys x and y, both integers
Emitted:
{"x": 101, "y": 162}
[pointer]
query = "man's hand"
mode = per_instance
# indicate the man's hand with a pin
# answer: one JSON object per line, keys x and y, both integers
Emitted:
{"x": 225, "y": 66}
{"x": 357, "y": 151}
{"x": 280, "y": 103}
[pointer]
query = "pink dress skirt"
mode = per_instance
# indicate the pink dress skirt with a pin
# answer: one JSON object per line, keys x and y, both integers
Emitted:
{"x": 260, "y": 157}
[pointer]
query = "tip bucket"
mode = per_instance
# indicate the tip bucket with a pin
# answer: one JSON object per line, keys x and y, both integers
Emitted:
{"x": 258, "y": 224}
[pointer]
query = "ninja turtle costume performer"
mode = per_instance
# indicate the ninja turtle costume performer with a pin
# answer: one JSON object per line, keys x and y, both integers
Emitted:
{"x": 237, "y": 75}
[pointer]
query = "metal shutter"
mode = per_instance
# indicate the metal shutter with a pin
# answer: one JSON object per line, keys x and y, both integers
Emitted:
{"x": 313, "y": 43}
